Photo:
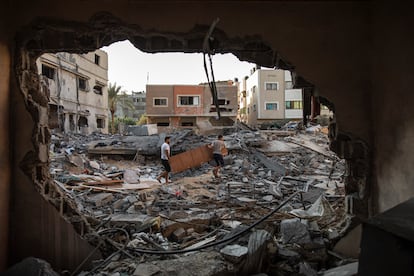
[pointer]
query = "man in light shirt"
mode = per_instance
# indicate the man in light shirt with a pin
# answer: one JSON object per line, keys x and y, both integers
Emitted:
{"x": 218, "y": 149}
{"x": 165, "y": 159}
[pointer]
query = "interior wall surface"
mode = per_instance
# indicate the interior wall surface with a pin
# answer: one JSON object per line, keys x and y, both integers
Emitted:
{"x": 5, "y": 167}
{"x": 393, "y": 97}
{"x": 327, "y": 43}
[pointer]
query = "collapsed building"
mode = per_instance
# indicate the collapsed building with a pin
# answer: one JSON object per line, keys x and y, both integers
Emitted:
{"x": 344, "y": 52}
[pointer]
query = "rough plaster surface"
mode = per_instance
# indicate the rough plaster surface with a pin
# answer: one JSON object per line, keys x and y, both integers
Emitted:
{"x": 339, "y": 47}
{"x": 4, "y": 151}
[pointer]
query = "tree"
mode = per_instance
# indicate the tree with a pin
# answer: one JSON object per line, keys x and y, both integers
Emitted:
{"x": 114, "y": 98}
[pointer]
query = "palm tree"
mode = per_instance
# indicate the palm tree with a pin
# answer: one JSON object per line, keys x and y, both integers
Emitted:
{"x": 114, "y": 98}
{"x": 113, "y": 91}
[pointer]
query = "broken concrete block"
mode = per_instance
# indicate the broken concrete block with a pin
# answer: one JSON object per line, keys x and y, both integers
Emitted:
{"x": 101, "y": 199}
{"x": 245, "y": 180}
{"x": 228, "y": 160}
{"x": 31, "y": 266}
{"x": 294, "y": 231}
{"x": 119, "y": 204}
{"x": 131, "y": 176}
{"x": 275, "y": 190}
{"x": 286, "y": 253}
{"x": 76, "y": 160}
{"x": 306, "y": 270}
{"x": 234, "y": 184}
{"x": 345, "y": 270}
{"x": 134, "y": 221}
{"x": 231, "y": 223}
{"x": 146, "y": 269}
{"x": 268, "y": 198}
{"x": 199, "y": 222}
{"x": 234, "y": 253}
{"x": 257, "y": 251}
{"x": 131, "y": 199}
{"x": 246, "y": 200}
{"x": 178, "y": 234}
{"x": 94, "y": 165}
{"x": 200, "y": 263}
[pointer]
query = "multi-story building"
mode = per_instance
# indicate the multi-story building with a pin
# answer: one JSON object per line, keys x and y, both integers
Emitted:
{"x": 137, "y": 100}
{"x": 176, "y": 106}
{"x": 77, "y": 86}
{"x": 267, "y": 96}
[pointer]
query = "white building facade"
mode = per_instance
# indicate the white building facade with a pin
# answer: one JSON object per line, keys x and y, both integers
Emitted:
{"x": 77, "y": 85}
{"x": 267, "y": 96}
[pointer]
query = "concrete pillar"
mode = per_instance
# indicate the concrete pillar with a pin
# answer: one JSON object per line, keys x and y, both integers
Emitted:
{"x": 65, "y": 122}
{"x": 4, "y": 153}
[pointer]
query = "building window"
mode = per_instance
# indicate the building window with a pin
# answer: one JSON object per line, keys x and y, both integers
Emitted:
{"x": 97, "y": 59}
{"x": 254, "y": 108}
{"x": 48, "y": 72}
{"x": 98, "y": 89}
{"x": 188, "y": 100}
{"x": 164, "y": 124}
{"x": 271, "y": 106}
{"x": 100, "y": 123}
{"x": 82, "y": 122}
{"x": 254, "y": 89}
{"x": 221, "y": 102}
{"x": 271, "y": 85}
{"x": 160, "y": 101}
{"x": 293, "y": 104}
{"x": 83, "y": 84}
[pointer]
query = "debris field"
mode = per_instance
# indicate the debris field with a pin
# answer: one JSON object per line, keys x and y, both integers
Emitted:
{"x": 277, "y": 209}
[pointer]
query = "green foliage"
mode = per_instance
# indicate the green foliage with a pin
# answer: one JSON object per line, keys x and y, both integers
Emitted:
{"x": 126, "y": 121}
{"x": 142, "y": 120}
{"x": 115, "y": 96}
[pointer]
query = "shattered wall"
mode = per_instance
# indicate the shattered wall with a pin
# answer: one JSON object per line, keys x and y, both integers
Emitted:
{"x": 337, "y": 46}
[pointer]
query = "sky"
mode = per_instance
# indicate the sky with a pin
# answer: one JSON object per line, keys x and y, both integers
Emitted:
{"x": 132, "y": 69}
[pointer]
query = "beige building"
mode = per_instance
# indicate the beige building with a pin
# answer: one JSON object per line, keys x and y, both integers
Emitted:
{"x": 77, "y": 85}
{"x": 264, "y": 90}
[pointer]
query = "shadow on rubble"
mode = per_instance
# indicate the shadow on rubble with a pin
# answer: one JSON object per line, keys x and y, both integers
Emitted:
{"x": 277, "y": 209}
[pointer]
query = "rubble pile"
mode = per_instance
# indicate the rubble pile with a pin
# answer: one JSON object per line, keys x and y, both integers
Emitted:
{"x": 276, "y": 209}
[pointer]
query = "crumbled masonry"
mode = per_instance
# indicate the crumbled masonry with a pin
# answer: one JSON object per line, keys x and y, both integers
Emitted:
{"x": 108, "y": 190}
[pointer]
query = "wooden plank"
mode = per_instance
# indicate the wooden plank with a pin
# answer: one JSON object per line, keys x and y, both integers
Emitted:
{"x": 105, "y": 182}
{"x": 190, "y": 159}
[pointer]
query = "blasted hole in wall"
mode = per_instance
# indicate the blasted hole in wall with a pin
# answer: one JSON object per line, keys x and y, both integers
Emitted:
{"x": 100, "y": 200}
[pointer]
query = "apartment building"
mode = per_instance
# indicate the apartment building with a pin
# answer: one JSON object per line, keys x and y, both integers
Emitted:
{"x": 267, "y": 95}
{"x": 177, "y": 106}
{"x": 137, "y": 100}
{"x": 77, "y": 87}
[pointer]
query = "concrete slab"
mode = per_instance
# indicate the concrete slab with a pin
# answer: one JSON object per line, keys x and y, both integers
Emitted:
{"x": 345, "y": 270}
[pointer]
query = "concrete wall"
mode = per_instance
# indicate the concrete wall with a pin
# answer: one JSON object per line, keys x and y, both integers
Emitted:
{"x": 5, "y": 162}
{"x": 393, "y": 121}
{"x": 271, "y": 96}
{"x": 188, "y": 91}
{"x": 159, "y": 91}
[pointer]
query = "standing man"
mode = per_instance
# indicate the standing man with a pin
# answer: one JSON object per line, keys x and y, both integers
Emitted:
{"x": 218, "y": 148}
{"x": 165, "y": 159}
